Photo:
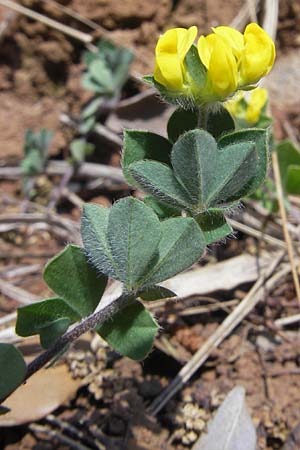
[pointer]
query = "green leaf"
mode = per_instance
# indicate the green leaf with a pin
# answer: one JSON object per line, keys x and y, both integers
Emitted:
{"x": 194, "y": 159}
{"x": 139, "y": 145}
{"x": 210, "y": 175}
{"x": 90, "y": 84}
{"x": 219, "y": 122}
{"x": 159, "y": 180}
{"x": 181, "y": 120}
{"x": 70, "y": 276}
{"x": 288, "y": 155}
{"x": 161, "y": 210}
{"x": 35, "y": 318}
{"x": 91, "y": 108}
{"x": 12, "y": 369}
{"x": 80, "y": 148}
{"x": 213, "y": 225}
{"x": 108, "y": 67}
{"x": 94, "y": 222}
{"x": 180, "y": 236}
{"x": 131, "y": 331}
{"x": 196, "y": 68}
{"x": 133, "y": 234}
{"x": 101, "y": 74}
{"x": 49, "y": 333}
{"x": 260, "y": 139}
{"x": 156, "y": 293}
{"x": 293, "y": 180}
{"x": 87, "y": 125}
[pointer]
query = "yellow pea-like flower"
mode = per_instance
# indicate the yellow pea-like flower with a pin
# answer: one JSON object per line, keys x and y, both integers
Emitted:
{"x": 229, "y": 61}
{"x": 170, "y": 52}
{"x": 221, "y": 65}
{"x": 254, "y": 52}
{"x": 258, "y": 55}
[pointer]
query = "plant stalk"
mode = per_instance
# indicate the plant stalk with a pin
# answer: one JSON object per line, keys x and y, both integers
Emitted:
{"x": 202, "y": 117}
{"x": 87, "y": 324}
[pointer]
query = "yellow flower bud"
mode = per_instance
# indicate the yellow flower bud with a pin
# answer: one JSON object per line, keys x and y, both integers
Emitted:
{"x": 257, "y": 100}
{"x": 248, "y": 106}
{"x": 258, "y": 55}
{"x": 170, "y": 52}
{"x": 221, "y": 66}
{"x": 234, "y": 104}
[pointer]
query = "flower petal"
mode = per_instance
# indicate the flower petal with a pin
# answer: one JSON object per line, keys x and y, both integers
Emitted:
{"x": 205, "y": 47}
{"x": 222, "y": 65}
{"x": 185, "y": 40}
{"x": 258, "y": 56}
{"x": 170, "y": 52}
{"x": 233, "y": 38}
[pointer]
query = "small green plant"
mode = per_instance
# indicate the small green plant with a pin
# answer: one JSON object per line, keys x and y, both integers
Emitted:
{"x": 191, "y": 180}
{"x": 79, "y": 149}
{"x": 36, "y": 153}
{"x": 289, "y": 164}
{"x": 106, "y": 73}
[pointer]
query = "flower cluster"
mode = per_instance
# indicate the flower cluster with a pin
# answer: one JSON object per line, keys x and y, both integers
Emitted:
{"x": 229, "y": 60}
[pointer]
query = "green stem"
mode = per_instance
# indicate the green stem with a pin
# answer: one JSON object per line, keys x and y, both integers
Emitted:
{"x": 89, "y": 323}
{"x": 202, "y": 117}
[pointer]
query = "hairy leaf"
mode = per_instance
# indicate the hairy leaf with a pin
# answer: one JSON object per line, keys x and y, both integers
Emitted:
{"x": 70, "y": 276}
{"x": 260, "y": 139}
{"x": 36, "y": 317}
{"x": 180, "y": 236}
{"x": 211, "y": 175}
{"x": 131, "y": 331}
{"x": 162, "y": 210}
{"x": 94, "y": 223}
{"x": 219, "y": 122}
{"x": 139, "y": 145}
{"x": 213, "y": 225}
{"x": 133, "y": 234}
{"x": 181, "y": 120}
{"x": 159, "y": 180}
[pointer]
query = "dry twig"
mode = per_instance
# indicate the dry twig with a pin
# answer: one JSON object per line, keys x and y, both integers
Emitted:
{"x": 286, "y": 233}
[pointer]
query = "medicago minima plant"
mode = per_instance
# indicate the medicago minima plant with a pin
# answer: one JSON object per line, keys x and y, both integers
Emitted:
{"x": 190, "y": 180}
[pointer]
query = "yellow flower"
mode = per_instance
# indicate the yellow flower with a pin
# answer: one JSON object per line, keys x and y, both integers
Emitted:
{"x": 170, "y": 52}
{"x": 254, "y": 51}
{"x": 220, "y": 62}
{"x": 229, "y": 61}
{"x": 258, "y": 99}
{"x": 258, "y": 55}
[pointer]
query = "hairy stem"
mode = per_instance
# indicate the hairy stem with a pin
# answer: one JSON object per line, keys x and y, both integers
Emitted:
{"x": 87, "y": 324}
{"x": 202, "y": 117}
